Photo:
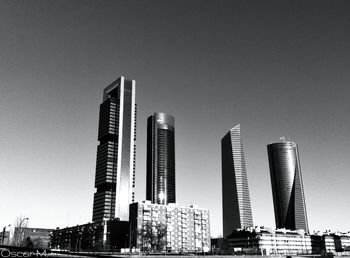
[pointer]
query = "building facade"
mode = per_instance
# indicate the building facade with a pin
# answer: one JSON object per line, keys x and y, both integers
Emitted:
{"x": 345, "y": 241}
{"x": 5, "y": 237}
{"x": 173, "y": 228}
{"x": 110, "y": 235}
{"x": 266, "y": 241}
{"x": 39, "y": 237}
{"x": 284, "y": 242}
{"x": 115, "y": 163}
{"x": 236, "y": 205}
{"x": 336, "y": 242}
{"x": 287, "y": 186}
{"x": 160, "y": 187}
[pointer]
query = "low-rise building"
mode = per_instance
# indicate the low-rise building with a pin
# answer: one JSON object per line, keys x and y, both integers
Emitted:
{"x": 34, "y": 237}
{"x": 336, "y": 242}
{"x": 285, "y": 242}
{"x": 345, "y": 241}
{"x": 5, "y": 237}
{"x": 217, "y": 245}
{"x": 330, "y": 243}
{"x": 169, "y": 228}
{"x": 110, "y": 235}
{"x": 266, "y": 241}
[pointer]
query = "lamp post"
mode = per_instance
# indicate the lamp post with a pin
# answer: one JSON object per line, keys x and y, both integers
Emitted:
{"x": 20, "y": 224}
{"x": 3, "y": 234}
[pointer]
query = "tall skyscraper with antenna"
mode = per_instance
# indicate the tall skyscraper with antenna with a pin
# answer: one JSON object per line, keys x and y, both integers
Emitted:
{"x": 115, "y": 164}
{"x": 236, "y": 206}
{"x": 287, "y": 185}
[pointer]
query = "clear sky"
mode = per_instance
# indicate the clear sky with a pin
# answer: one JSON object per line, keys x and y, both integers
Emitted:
{"x": 280, "y": 68}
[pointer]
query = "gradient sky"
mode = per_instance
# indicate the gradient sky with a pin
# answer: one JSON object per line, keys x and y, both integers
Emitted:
{"x": 280, "y": 68}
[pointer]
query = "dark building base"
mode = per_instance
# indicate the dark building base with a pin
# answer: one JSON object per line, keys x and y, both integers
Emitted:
{"x": 106, "y": 236}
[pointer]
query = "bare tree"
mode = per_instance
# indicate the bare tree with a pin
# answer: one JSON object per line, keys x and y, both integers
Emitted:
{"x": 161, "y": 232}
{"x": 146, "y": 234}
{"x": 153, "y": 237}
{"x": 20, "y": 224}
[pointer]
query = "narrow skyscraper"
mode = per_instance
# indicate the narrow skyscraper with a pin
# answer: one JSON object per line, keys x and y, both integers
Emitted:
{"x": 115, "y": 163}
{"x": 236, "y": 206}
{"x": 160, "y": 188}
{"x": 287, "y": 186}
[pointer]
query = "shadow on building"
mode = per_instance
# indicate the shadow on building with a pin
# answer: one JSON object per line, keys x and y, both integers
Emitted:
{"x": 108, "y": 236}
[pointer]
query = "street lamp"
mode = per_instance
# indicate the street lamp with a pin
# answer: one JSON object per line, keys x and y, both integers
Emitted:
{"x": 3, "y": 234}
{"x": 20, "y": 224}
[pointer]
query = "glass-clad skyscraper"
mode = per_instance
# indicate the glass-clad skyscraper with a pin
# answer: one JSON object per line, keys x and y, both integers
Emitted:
{"x": 115, "y": 164}
{"x": 160, "y": 186}
{"x": 236, "y": 206}
{"x": 287, "y": 186}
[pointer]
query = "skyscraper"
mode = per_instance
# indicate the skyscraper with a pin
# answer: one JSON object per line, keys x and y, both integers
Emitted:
{"x": 236, "y": 206}
{"x": 115, "y": 164}
{"x": 160, "y": 188}
{"x": 287, "y": 186}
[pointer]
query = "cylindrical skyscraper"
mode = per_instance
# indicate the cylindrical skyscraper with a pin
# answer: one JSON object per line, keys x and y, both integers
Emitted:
{"x": 287, "y": 186}
{"x": 160, "y": 186}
